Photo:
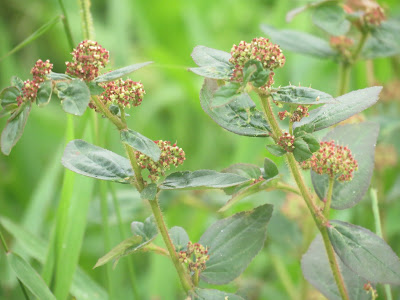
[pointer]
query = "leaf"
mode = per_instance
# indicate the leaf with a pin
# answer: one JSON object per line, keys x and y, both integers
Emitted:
{"x": 299, "y": 42}
{"x": 245, "y": 170}
{"x": 304, "y": 146}
{"x": 9, "y": 96}
{"x": 16, "y": 81}
{"x": 201, "y": 179}
{"x": 364, "y": 252}
{"x": 255, "y": 73}
{"x": 383, "y": 41}
{"x": 14, "y": 129}
{"x": 44, "y": 93}
{"x": 29, "y": 277}
{"x": 225, "y": 94}
{"x": 207, "y": 294}
{"x": 270, "y": 169}
{"x": 95, "y": 89}
{"x": 121, "y": 72}
{"x": 331, "y": 18}
{"x": 59, "y": 76}
{"x": 92, "y": 161}
{"x": 346, "y": 106}
{"x": 212, "y": 63}
{"x": 179, "y": 238}
{"x": 276, "y": 150}
{"x": 301, "y": 95}
{"x": 316, "y": 269}
{"x": 141, "y": 143}
{"x": 149, "y": 192}
{"x": 74, "y": 95}
{"x": 294, "y": 12}
{"x": 233, "y": 242}
{"x": 360, "y": 139}
{"x": 239, "y": 116}
{"x": 147, "y": 230}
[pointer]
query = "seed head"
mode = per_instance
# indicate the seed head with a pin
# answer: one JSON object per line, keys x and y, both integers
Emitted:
{"x": 41, "y": 70}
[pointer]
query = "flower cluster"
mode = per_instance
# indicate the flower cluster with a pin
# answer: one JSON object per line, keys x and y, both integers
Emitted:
{"x": 342, "y": 44}
{"x": 261, "y": 49}
{"x": 87, "y": 59}
{"x": 170, "y": 155}
{"x": 286, "y": 141}
{"x": 333, "y": 160}
{"x": 299, "y": 113}
{"x": 41, "y": 70}
{"x": 374, "y": 16}
{"x": 195, "y": 257}
{"x": 123, "y": 92}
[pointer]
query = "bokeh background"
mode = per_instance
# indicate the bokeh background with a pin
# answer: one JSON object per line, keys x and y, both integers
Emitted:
{"x": 166, "y": 32}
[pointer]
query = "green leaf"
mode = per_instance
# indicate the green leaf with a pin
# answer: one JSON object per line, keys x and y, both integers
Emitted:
{"x": 212, "y": 63}
{"x": 270, "y": 169}
{"x": 294, "y": 12}
{"x": 44, "y": 93}
{"x": 74, "y": 95}
{"x": 331, "y": 18}
{"x": 316, "y": 269}
{"x": 299, "y": 42}
{"x": 14, "y": 129}
{"x": 346, "y": 106}
{"x": 364, "y": 252}
{"x": 245, "y": 170}
{"x": 233, "y": 243}
{"x": 201, "y": 179}
{"x": 225, "y": 94}
{"x": 92, "y": 161}
{"x": 305, "y": 146}
{"x": 147, "y": 230}
{"x": 239, "y": 116}
{"x": 59, "y": 76}
{"x": 94, "y": 88}
{"x": 383, "y": 41}
{"x": 9, "y": 96}
{"x": 179, "y": 238}
{"x": 255, "y": 73}
{"x": 16, "y": 81}
{"x": 301, "y": 95}
{"x": 276, "y": 150}
{"x": 149, "y": 192}
{"x": 121, "y": 72}
{"x": 360, "y": 139}
{"x": 207, "y": 294}
{"x": 29, "y": 277}
{"x": 141, "y": 143}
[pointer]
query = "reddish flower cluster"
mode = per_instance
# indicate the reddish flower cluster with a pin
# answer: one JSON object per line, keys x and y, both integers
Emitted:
{"x": 299, "y": 113}
{"x": 170, "y": 155}
{"x": 333, "y": 160}
{"x": 29, "y": 91}
{"x": 41, "y": 70}
{"x": 286, "y": 141}
{"x": 342, "y": 44}
{"x": 88, "y": 58}
{"x": 124, "y": 92}
{"x": 283, "y": 114}
{"x": 261, "y": 49}
{"x": 195, "y": 257}
{"x": 374, "y": 16}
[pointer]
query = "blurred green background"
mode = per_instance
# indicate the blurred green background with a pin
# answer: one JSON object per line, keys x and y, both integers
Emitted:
{"x": 166, "y": 32}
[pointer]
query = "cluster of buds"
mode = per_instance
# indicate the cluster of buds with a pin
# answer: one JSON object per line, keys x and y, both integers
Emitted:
{"x": 286, "y": 141}
{"x": 334, "y": 160}
{"x": 123, "y": 92}
{"x": 29, "y": 92}
{"x": 170, "y": 155}
{"x": 195, "y": 257}
{"x": 41, "y": 70}
{"x": 372, "y": 13}
{"x": 299, "y": 113}
{"x": 342, "y": 44}
{"x": 370, "y": 289}
{"x": 374, "y": 16}
{"x": 261, "y": 49}
{"x": 87, "y": 59}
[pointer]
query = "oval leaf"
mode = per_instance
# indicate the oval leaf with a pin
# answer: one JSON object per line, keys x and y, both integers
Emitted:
{"x": 225, "y": 94}
{"x": 59, "y": 76}
{"x": 239, "y": 116}
{"x": 9, "y": 96}
{"x": 361, "y": 139}
{"x": 44, "y": 93}
{"x": 245, "y": 170}
{"x": 74, "y": 95}
{"x": 316, "y": 269}
{"x": 141, "y": 143}
{"x": 276, "y": 150}
{"x": 149, "y": 192}
{"x": 233, "y": 242}
{"x": 179, "y": 238}
{"x": 364, "y": 252}
{"x": 301, "y": 95}
{"x": 207, "y": 294}
{"x": 331, "y": 18}
{"x": 270, "y": 169}
{"x": 92, "y": 161}
{"x": 121, "y": 72}
{"x": 201, "y": 179}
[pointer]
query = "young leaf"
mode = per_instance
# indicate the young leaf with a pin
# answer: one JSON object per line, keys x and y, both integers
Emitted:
{"x": 233, "y": 242}
{"x": 120, "y": 72}
{"x": 245, "y": 170}
{"x": 360, "y": 139}
{"x": 16, "y": 81}
{"x": 276, "y": 150}
{"x": 255, "y": 73}
{"x": 364, "y": 252}
{"x": 74, "y": 95}
{"x": 299, "y": 42}
{"x": 147, "y": 230}
{"x": 316, "y": 269}
{"x": 92, "y": 161}
{"x": 29, "y": 277}
{"x": 270, "y": 169}
{"x": 149, "y": 192}
{"x": 201, "y": 179}
{"x": 331, "y": 18}
{"x": 345, "y": 107}
{"x": 59, "y": 76}
{"x": 304, "y": 146}
{"x": 239, "y": 116}
{"x": 141, "y": 143}
{"x": 44, "y": 93}
{"x": 179, "y": 238}
{"x": 9, "y": 96}
{"x": 207, "y": 294}
{"x": 301, "y": 95}
{"x": 225, "y": 94}
{"x": 14, "y": 129}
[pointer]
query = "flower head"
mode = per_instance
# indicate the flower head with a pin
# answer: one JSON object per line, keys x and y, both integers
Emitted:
{"x": 286, "y": 141}
{"x": 195, "y": 256}
{"x": 29, "y": 92}
{"x": 41, "y": 70}
{"x": 334, "y": 160}
{"x": 374, "y": 15}
{"x": 123, "y": 92}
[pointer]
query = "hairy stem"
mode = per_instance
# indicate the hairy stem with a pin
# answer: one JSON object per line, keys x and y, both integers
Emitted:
{"x": 328, "y": 202}
{"x": 86, "y": 19}
{"x": 266, "y": 104}
{"x": 344, "y": 75}
{"x": 287, "y": 188}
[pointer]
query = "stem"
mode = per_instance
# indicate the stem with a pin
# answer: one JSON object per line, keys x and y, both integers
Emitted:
{"x": 3, "y": 241}
{"x": 87, "y": 20}
{"x": 344, "y": 75}
{"x": 196, "y": 278}
{"x": 67, "y": 28}
{"x": 328, "y": 202}
{"x": 361, "y": 43}
{"x": 154, "y": 248}
{"x": 113, "y": 118}
{"x": 286, "y": 187}
{"x": 183, "y": 275}
{"x": 378, "y": 230}
{"x": 266, "y": 104}
{"x": 136, "y": 169}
